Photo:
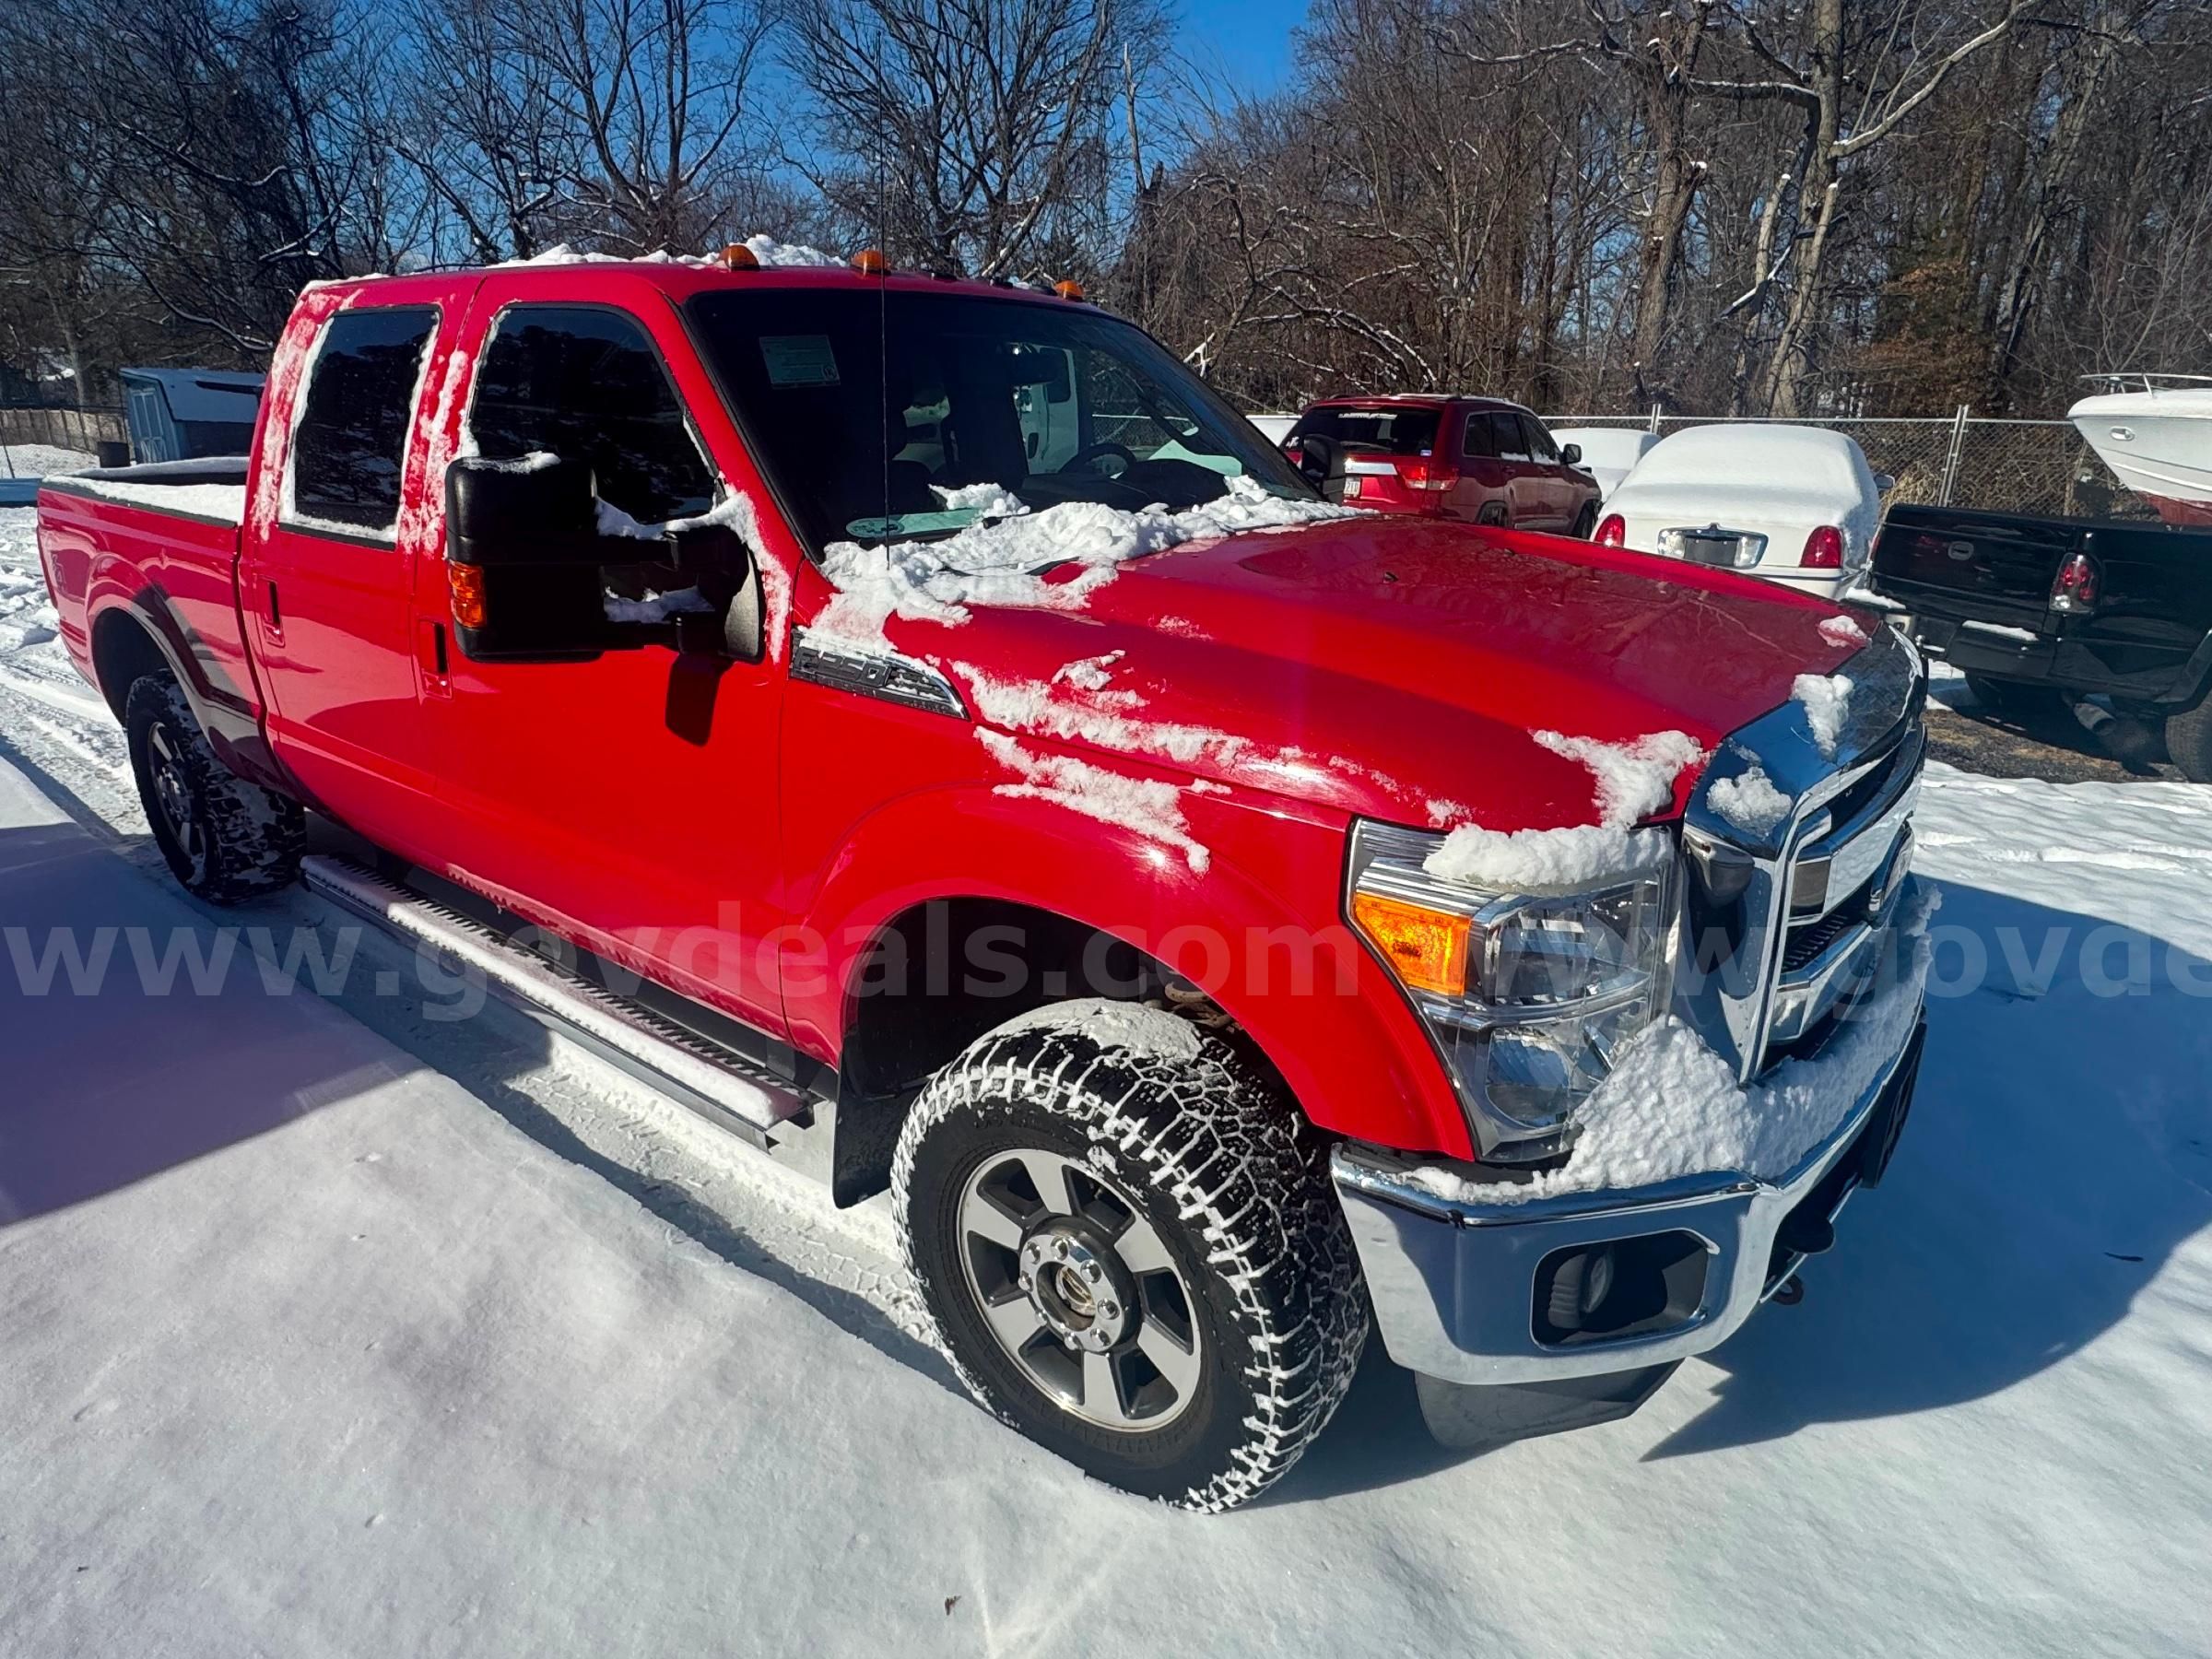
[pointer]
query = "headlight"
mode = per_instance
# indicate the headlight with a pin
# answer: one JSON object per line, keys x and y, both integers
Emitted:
{"x": 1528, "y": 996}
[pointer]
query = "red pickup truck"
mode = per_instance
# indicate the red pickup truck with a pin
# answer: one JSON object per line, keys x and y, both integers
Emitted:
{"x": 920, "y": 718}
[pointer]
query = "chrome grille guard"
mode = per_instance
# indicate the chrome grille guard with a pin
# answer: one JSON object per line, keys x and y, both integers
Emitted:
{"x": 1848, "y": 819}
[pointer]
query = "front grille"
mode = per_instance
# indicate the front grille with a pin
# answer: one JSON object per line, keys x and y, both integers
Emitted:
{"x": 1808, "y": 943}
{"x": 1868, "y": 789}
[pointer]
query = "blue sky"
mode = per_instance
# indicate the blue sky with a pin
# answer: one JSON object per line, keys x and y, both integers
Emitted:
{"x": 1247, "y": 40}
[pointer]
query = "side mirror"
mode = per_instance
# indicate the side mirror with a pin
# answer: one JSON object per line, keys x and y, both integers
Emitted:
{"x": 526, "y": 566}
{"x": 1571, "y": 455}
{"x": 1884, "y": 483}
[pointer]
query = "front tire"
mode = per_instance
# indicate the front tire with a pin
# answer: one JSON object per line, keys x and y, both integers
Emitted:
{"x": 1125, "y": 1234}
{"x": 225, "y": 840}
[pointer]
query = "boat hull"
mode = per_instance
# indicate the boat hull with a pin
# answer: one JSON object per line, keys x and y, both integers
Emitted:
{"x": 2159, "y": 444}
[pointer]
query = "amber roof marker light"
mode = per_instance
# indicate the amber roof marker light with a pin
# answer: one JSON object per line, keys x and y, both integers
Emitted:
{"x": 1069, "y": 288}
{"x": 870, "y": 261}
{"x": 738, "y": 257}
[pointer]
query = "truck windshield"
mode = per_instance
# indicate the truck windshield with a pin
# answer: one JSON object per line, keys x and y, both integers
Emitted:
{"x": 886, "y": 415}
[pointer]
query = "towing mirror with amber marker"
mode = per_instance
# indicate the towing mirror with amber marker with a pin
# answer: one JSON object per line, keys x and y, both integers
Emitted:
{"x": 526, "y": 566}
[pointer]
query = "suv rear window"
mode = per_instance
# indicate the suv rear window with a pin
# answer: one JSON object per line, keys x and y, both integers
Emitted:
{"x": 1391, "y": 432}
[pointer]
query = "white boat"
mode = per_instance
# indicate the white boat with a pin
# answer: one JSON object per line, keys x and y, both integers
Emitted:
{"x": 2155, "y": 432}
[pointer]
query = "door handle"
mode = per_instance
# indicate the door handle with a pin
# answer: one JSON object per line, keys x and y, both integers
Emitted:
{"x": 430, "y": 657}
{"x": 276, "y": 614}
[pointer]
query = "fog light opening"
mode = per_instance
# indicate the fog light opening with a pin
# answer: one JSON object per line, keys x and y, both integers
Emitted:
{"x": 1619, "y": 1287}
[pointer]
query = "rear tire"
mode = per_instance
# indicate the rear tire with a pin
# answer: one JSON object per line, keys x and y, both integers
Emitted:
{"x": 1193, "y": 1221}
{"x": 2189, "y": 742}
{"x": 225, "y": 839}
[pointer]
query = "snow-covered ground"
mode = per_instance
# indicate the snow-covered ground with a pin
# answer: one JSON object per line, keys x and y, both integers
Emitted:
{"x": 42, "y": 460}
{"x": 345, "y": 1326}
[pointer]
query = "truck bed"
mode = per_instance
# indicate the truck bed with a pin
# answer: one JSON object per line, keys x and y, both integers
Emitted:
{"x": 1978, "y": 587}
{"x": 127, "y": 536}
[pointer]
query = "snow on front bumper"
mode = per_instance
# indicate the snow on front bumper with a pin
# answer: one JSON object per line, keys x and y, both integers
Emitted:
{"x": 1466, "y": 1274}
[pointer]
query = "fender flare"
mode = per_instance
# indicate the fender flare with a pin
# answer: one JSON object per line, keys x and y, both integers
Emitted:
{"x": 231, "y": 720}
{"x": 1341, "y": 1036}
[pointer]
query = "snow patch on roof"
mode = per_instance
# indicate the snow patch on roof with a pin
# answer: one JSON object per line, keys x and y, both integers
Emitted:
{"x": 1750, "y": 803}
{"x": 1827, "y": 700}
{"x": 1150, "y": 806}
{"x": 1843, "y": 631}
{"x": 1004, "y": 560}
{"x": 1634, "y": 780}
{"x": 770, "y": 252}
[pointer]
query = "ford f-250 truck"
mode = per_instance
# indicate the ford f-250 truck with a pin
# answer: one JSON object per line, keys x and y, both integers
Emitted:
{"x": 921, "y": 713}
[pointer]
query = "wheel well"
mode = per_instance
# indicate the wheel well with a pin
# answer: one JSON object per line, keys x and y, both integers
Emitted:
{"x": 123, "y": 652}
{"x": 936, "y": 977}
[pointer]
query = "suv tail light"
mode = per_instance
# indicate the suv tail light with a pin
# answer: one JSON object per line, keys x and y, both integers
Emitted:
{"x": 1425, "y": 472}
{"x": 1823, "y": 549}
{"x": 1613, "y": 533}
{"x": 2075, "y": 586}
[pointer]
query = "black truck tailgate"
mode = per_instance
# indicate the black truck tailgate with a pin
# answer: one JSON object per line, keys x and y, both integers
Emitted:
{"x": 1989, "y": 567}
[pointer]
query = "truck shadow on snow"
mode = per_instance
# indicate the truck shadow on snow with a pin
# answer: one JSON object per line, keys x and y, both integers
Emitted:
{"x": 2060, "y": 1149}
{"x": 104, "y": 1090}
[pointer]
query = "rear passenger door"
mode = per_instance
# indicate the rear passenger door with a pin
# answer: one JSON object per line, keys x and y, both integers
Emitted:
{"x": 323, "y": 581}
{"x": 1486, "y": 479}
{"x": 629, "y": 801}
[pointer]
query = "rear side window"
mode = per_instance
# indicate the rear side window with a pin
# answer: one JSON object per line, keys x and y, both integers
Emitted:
{"x": 1387, "y": 431}
{"x": 1479, "y": 442}
{"x": 352, "y": 431}
{"x": 587, "y": 384}
{"x": 1539, "y": 440}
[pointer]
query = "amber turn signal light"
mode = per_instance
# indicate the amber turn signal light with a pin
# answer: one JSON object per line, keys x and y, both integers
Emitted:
{"x": 869, "y": 262}
{"x": 467, "y": 584}
{"x": 1427, "y": 947}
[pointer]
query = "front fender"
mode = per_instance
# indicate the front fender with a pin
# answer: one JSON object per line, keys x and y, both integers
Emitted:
{"x": 1252, "y": 917}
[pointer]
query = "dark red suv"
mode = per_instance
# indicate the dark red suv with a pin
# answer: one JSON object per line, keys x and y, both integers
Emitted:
{"x": 1480, "y": 459}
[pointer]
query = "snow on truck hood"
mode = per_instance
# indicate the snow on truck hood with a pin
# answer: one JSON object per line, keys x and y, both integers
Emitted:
{"x": 1393, "y": 668}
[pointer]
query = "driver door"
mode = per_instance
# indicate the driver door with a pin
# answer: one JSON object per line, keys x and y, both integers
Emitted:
{"x": 629, "y": 801}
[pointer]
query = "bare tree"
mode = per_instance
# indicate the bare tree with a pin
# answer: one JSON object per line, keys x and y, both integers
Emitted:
{"x": 963, "y": 134}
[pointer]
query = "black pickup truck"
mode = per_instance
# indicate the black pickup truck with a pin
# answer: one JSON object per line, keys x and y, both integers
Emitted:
{"x": 2032, "y": 607}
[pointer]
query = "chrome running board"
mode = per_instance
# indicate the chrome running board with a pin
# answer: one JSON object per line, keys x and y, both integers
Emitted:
{"x": 724, "y": 1087}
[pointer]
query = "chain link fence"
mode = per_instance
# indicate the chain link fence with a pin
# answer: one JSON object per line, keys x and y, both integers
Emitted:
{"x": 1963, "y": 460}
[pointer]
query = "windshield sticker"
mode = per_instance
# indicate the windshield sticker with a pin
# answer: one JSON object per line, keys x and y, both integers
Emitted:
{"x": 799, "y": 359}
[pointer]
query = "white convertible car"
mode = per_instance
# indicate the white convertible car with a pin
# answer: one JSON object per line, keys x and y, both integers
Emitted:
{"x": 1797, "y": 505}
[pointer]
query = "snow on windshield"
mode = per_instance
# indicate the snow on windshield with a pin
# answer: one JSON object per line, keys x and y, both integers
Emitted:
{"x": 1006, "y": 560}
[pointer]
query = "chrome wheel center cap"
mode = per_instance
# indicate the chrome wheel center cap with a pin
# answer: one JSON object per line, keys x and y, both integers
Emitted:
{"x": 1078, "y": 1288}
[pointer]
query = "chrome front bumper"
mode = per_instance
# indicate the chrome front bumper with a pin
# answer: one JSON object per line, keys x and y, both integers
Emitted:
{"x": 1455, "y": 1282}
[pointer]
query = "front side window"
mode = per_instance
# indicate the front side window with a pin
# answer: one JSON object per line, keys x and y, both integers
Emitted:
{"x": 1539, "y": 440}
{"x": 352, "y": 431}
{"x": 870, "y": 407}
{"x": 586, "y": 385}
{"x": 1506, "y": 438}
